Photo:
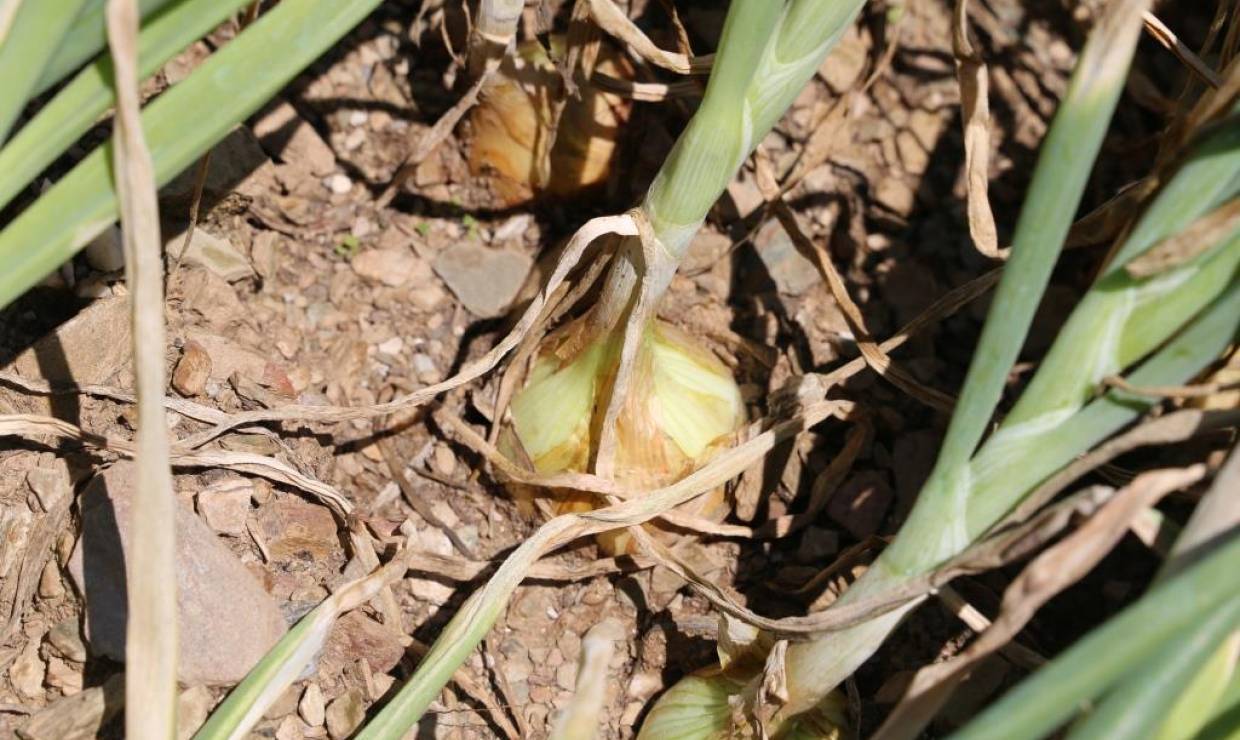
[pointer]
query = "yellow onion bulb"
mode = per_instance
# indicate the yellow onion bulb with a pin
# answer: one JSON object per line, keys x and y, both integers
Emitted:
{"x": 523, "y": 149}
{"x": 683, "y": 406}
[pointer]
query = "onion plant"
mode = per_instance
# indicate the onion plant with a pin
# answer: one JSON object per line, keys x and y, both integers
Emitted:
{"x": 619, "y": 373}
{"x": 1117, "y": 324}
{"x": 1160, "y": 329}
{"x": 767, "y": 52}
{"x": 180, "y": 125}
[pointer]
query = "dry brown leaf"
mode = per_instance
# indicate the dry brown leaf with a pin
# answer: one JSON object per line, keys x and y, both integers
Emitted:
{"x": 1199, "y": 390}
{"x": 978, "y": 622}
{"x": 650, "y": 92}
{"x": 1107, "y": 221}
{"x": 1164, "y": 430}
{"x": 824, "y": 485}
{"x": 1225, "y": 380}
{"x": 1197, "y": 238}
{"x": 654, "y": 275}
{"x": 434, "y": 136}
{"x": 613, "y": 20}
{"x": 462, "y": 570}
{"x": 975, "y": 117}
{"x": 150, "y": 651}
{"x": 35, "y": 426}
{"x": 1167, "y": 37}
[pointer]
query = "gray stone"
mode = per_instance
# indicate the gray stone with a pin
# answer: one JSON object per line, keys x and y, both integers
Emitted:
{"x": 791, "y": 272}
{"x": 66, "y": 638}
{"x": 485, "y": 280}
{"x": 226, "y": 621}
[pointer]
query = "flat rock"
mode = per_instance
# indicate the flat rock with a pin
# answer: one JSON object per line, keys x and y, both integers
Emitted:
{"x": 193, "y": 706}
{"x": 292, "y": 529}
{"x": 87, "y": 349}
{"x": 358, "y": 636}
{"x": 77, "y": 717}
{"x": 311, "y": 706}
{"x": 66, "y": 639}
{"x": 226, "y": 621}
{"x": 228, "y": 357}
{"x": 226, "y": 505}
{"x": 394, "y": 267}
{"x": 345, "y": 714}
{"x": 485, "y": 280}
{"x": 792, "y": 273}
{"x": 27, "y": 672}
{"x": 288, "y": 136}
{"x": 215, "y": 253}
{"x": 210, "y": 296}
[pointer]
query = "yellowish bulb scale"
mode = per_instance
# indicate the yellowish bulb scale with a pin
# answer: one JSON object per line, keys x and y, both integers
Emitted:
{"x": 683, "y": 406}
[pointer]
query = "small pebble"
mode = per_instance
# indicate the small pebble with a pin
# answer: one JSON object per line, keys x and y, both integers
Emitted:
{"x": 192, "y": 370}
{"x": 392, "y": 346}
{"x": 339, "y": 184}
{"x": 354, "y": 140}
{"x": 345, "y": 714}
{"x": 50, "y": 584}
{"x": 444, "y": 461}
{"x": 66, "y": 639}
{"x": 311, "y": 707}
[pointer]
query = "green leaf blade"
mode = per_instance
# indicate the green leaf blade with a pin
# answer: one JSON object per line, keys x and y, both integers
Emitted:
{"x": 180, "y": 126}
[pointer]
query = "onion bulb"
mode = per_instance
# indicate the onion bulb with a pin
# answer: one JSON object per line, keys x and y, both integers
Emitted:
{"x": 516, "y": 140}
{"x": 682, "y": 407}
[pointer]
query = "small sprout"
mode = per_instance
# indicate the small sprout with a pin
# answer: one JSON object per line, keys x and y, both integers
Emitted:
{"x": 423, "y": 228}
{"x": 471, "y": 224}
{"x": 348, "y": 246}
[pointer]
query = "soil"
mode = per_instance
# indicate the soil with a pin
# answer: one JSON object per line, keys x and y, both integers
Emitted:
{"x": 340, "y": 300}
